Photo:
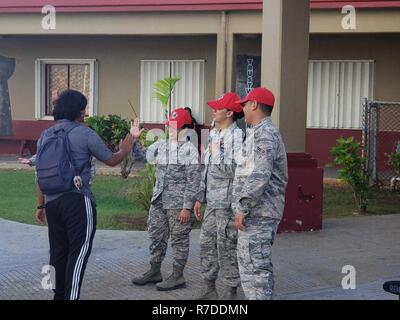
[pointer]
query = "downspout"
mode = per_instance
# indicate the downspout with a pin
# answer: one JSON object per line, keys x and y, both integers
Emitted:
{"x": 224, "y": 31}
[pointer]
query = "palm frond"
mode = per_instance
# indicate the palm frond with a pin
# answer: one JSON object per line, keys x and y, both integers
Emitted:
{"x": 163, "y": 89}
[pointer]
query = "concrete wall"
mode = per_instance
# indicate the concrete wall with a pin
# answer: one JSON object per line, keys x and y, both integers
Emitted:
{"x": 383, "y": 48}
{"x": 118, "y": 65}
{"x": 367, "y": 21}
{"x": 157, "y": 23}
{"x": 119, "y": 61}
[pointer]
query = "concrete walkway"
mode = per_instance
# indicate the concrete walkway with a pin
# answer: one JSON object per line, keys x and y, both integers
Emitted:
{"x": 9, "y": 162}
{"x": 308, "y": 265}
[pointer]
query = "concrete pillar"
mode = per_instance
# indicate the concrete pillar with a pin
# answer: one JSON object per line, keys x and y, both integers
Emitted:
{"x": 285, "y": 54}
{"x": 285, "y": 48}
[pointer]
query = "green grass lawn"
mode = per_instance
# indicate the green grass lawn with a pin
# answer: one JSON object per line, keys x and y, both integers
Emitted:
{"x": 339, "y": 201}
{"x": 116, "y": 205}
{"x": 118, "y": 208}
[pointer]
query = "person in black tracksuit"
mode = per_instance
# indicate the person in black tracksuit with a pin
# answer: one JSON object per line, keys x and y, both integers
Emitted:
{"x": 71, "y": 216}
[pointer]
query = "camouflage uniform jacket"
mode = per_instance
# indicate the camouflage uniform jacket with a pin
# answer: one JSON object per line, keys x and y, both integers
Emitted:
{"x": 177, "y": 172}
{"x": 219, "y": 170}
{"x": 260, "y": 181}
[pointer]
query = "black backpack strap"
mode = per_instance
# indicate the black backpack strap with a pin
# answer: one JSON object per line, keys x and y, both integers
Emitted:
{"x": 67, "y": 144}
{"x": 68, "y": 147}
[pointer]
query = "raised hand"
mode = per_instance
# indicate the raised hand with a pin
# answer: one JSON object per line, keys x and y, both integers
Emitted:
{"x": 135, "y": 129}
{"x": 126, "y": 144}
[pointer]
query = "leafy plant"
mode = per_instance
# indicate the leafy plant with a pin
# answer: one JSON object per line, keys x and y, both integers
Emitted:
{"x": 112, "y": 129}
{"x": 144, "y": 186}
{"x": 163, "y": 90}
{"x": 394, "y": 159}
{"x": 347, "y": 155}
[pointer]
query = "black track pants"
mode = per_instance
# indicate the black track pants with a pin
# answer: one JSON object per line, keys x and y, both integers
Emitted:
{"x": 72, "y": 225}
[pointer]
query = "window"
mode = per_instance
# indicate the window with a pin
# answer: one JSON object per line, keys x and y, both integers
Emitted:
{"x": 336, "y": 90}
{"x": 188, "y": 92}
{"x": 56, "y": 75}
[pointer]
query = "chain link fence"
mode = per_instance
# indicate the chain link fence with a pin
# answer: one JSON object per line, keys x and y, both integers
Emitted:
{"x": 381, "y": 136}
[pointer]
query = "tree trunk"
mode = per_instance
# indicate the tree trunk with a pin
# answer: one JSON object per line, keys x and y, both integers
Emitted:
{"x": 7, "y": 67}
{"x": 126, "y": 166}
{"x": 362, "y": 204}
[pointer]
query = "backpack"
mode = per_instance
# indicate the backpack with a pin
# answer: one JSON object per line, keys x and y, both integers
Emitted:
{"x": 54, "y": 167}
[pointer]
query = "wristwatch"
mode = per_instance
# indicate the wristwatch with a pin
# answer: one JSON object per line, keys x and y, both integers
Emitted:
{"x": 41, "y": 206}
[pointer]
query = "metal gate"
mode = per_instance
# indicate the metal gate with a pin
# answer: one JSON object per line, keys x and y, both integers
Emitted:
{"x": 381, "y": 136}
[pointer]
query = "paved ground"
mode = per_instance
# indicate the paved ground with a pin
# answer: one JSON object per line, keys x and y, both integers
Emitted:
{"x": 10, "y": 162}
{"x": 308, "y": 265}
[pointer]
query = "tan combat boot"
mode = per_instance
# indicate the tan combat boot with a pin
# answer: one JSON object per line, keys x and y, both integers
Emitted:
{"x": 151, "y": 276}
{"x": 174, "y": 281}
{"x": 208, "y": 291}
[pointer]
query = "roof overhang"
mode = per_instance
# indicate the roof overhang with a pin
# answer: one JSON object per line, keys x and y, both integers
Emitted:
{"x": 35, "y": 6}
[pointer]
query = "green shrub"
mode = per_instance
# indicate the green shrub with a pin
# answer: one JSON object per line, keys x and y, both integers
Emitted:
{"x": 112, "y": 129}
{"x": 394, "y": 160}
{"x": 348, "y": 157}
{"x": 143, "y": 186}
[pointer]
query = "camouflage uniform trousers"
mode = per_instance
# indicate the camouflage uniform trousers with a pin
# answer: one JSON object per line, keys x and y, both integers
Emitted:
{"x": 218, "y": 242}
{"x": 161, "y": 225}
{"x": 254, "y": 257}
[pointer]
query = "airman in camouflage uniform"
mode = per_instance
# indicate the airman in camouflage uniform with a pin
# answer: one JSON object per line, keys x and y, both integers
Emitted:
{"x": 259, "y": 195}
{"x": 174, "y": 195}
{"x": 218, "y": 237}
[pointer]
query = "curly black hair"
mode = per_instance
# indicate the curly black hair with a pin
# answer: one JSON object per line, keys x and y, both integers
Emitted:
{"x": 69, "y": 105}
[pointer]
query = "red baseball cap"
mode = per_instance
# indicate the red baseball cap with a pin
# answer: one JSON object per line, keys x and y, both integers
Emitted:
{"x": 261, "y": 95}
{"x": 178, "y": 118}
{"x": 227, "y": 101}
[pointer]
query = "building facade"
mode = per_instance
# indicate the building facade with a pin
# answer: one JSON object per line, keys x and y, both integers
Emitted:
{"x": 115, "y": 51}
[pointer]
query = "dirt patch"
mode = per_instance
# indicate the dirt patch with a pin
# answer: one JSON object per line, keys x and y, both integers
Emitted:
{"x": 130, "y": 222}
{"x": 334, "y": 182}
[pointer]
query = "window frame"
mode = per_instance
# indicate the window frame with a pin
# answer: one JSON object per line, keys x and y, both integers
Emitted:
{"x": 338, "y": 79}
{"x": 171, "y": 62}
{"x": 40, "y": 84}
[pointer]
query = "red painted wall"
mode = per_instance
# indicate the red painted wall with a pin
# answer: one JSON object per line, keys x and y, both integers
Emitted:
{"x": 319, "y": 142}
{"x": 23, "y": 130}
{"x": 304, "y": 195}
{"x": 31, "y": 129}
{"x": 387, "y": 142}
